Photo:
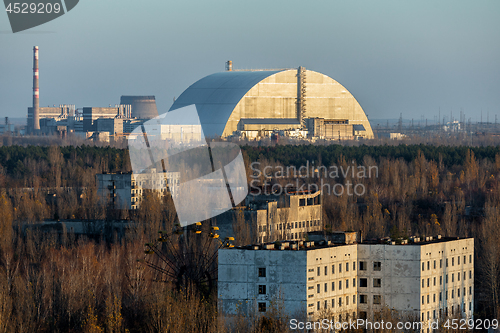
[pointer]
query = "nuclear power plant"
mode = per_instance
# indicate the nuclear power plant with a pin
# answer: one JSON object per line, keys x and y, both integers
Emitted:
{"x": 91, "y": 122}
{"x": 255, "y": 104}
{"x": 243, "y": 104}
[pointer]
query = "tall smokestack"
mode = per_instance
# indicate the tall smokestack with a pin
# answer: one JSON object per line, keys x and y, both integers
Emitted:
{"x": 36, "y": 104}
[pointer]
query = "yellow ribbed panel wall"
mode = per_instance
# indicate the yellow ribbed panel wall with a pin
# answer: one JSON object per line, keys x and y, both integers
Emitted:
{"x": 275, "y": 98}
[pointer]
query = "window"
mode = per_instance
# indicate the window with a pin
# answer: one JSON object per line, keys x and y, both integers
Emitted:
{"x": 434, "y": 264}
{"x": 326, "y": 287}
{"x": 354, "y": 282}
{"x": 362, "y": 265}
{"x": 262, "y": 272}
{"x": 326, "y": 270}
{"x": 423, "y": 283}
{"x": 333, "y": 269}
{"x": 319, "y": 271}
{"x": 363, "y": 299}
{"x": 458, "y": 276}
{"x": 333, "y": 286}
{"x": 440, "y": 280}
{"x": 440, "y": 263}
{"x": 377, "y": 266}
{"x": 302, "y": 202}
{"x": 377, "y": 299}
{"x": 333, "y": 302}
{"x": 458, "y": 260}
{"x": 326, "y": 304}
{"x": 434, "y": 298}
{"x": 377, "y": 283}
{"x": 363, "y": 283}
{"x": 363, "y": 315}
{"x": 353, "y": 299}
{"x": 446, "y": 262}
{"x": 440, "y": 296}
{"x": 340, "y": 285}
{"x": 470, "y": 275}
{"x": 446, "y": 295}
{"x": 318, "y": 306}
{"x": 458, "y": 292}
{"x": 347, "y": 284}
{"x": 347, "y": 267}
{"x": 423, "y": 300}
{"x": 428, "y": 284}
{"x": 434, "y": 281}
{"x": 446, "y": 278}
{"x": 453, "y": 293}
{"x": 465, "y": 261}
{"x": 470, "y": 258}
{"x": 453, "y": 261}
{"x": 453, "y": 277}
{"x": 340, "y": 301}
{"x": 262, "y": 307}
{"x": 354, "y": 265}
{"x": 470, "y": 290}
{"x": 423, "y": 267}
{"x": 465, "y": 276}
{"x": 262, "y": 289}
{"x": 427, "y": 299}
{"x": 340, "y": 268}
{"x": 318, "y": 288}
{"x": 428, "y": 265}
{"x": 347, "y": 300}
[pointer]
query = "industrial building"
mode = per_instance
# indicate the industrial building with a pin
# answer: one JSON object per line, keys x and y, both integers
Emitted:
{"x": 98, "y": 121}
{"x": 291, "y": 102}
{"x": 142, "y": 107}
{"x": 421, "y": 280}
{"x": 125, "y": 190}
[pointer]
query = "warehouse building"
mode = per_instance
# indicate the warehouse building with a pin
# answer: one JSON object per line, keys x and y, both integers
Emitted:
{"x": 420, "y": 279}
{"x": 255, "y": 104}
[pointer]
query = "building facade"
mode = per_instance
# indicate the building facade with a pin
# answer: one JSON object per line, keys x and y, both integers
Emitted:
{"x": 125, "y": 190}
{"x": 423, "y": 280}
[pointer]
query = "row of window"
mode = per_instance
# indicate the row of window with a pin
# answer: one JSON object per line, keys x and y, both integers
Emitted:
{"x": 333, "y": 302}
{"x": 339, "y": 285}
{"x": 454, "y": 309}
{"x": 281, "y": 226}
{"x": 441, "y": 262}
{"x": 340, "y": 265}
{"x": 446, "y": 295}
{"x": 377, "y": 299}
{"x": 446, "y": 279}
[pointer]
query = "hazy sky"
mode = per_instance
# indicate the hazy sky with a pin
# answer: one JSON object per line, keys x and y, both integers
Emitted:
{"x": 393, "y": 56}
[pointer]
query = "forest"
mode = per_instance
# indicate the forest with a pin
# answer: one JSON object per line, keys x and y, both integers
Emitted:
{"x": 49, "y": 284}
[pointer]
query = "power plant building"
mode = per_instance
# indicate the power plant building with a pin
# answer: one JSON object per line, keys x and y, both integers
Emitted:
{"x": 143, "y": 107}
{"x": 254, "y": 104}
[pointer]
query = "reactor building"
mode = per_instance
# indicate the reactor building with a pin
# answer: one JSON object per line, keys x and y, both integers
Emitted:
{"x": 255, "y": 104}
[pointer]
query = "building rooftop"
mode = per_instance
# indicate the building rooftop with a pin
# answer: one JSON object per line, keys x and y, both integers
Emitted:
{"x": 320, "y": 240}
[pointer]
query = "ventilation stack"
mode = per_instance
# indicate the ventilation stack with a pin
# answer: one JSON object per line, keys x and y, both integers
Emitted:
{"x": 301, "y": 95}
{"x": 36, "y": 92}
{"x": 229, "y": 66}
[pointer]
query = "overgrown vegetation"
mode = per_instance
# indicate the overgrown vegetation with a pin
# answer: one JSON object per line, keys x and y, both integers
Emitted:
{"x": 52, "y": 285}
